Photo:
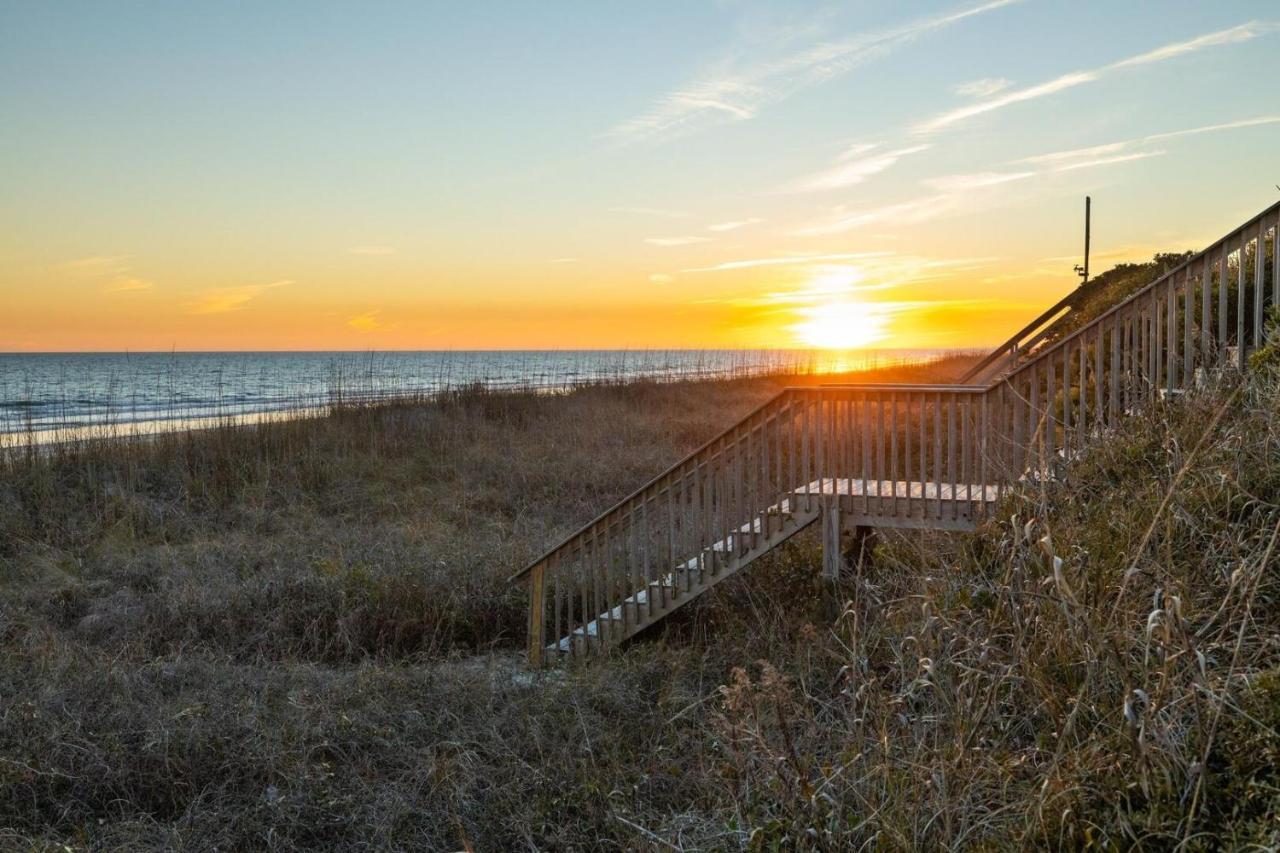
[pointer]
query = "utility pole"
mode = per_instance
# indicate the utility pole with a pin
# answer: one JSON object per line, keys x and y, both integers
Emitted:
{"x": 1083, "y": 271}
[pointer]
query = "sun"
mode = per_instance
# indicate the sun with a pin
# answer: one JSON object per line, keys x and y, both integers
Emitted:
{"x": 840, "y": 325}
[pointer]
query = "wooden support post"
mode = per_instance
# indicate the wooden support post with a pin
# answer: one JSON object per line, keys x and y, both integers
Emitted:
{"x": 537, "y": 604}
{"x": 831, "y": 539}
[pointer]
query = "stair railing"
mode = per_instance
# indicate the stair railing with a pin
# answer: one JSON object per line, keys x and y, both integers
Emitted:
{"x": 894, "y": 454}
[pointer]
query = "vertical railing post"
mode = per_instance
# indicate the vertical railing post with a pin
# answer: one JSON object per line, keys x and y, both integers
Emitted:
{"x": 1240, "y": 302}
{"x": 1259, "y": 267}
{"x": 537, "y": 608}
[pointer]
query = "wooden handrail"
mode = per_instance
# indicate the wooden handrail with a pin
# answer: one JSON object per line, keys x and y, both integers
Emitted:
{"x": 1018, "y": 341}
{"x": 923, "y": 449}
{"x": 1164, "y": 279}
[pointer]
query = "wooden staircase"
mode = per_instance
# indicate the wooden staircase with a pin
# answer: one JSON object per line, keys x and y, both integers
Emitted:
{"x": 914, "y": 456}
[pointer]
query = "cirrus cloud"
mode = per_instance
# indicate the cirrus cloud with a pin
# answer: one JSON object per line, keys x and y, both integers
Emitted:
{"x": 221, "y": 300}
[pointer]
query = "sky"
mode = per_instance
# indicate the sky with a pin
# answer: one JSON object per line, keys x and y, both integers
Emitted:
{"x": 482, "y": 175}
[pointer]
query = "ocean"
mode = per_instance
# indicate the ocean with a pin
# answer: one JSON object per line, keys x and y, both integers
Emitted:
{"x": 53, "y": 396}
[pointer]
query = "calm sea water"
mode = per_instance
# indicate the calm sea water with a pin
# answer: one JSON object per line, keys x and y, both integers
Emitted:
{"x": 48, "y": 394}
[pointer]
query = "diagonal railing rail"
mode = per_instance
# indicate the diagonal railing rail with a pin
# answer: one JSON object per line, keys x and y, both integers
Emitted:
{"x": 934, "y": 456}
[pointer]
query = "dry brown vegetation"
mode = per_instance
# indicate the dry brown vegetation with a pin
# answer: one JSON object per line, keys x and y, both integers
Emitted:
{"x": 300, "y": 636}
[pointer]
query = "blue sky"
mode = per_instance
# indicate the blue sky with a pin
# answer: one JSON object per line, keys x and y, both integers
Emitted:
{"x": 409, "y": 175}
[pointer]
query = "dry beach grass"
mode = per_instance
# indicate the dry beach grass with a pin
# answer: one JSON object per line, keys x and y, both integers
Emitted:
{"x": 300, "y": 637}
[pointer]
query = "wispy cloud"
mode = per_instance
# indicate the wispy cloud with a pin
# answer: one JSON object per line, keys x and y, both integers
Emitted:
{"x": 1106, "y": 161}
{"x": 984, "y": 88}
{"x": 651, "y": 211}
{"x": 1056, "y": 157}
{"x": 908, "y": 212}
{"x": 734, "y": 225}
{"x": 114, "y": 270}
{"x": 661, "y": 278}
{"x": 852, "y": 168}
{"x": 1232, "y": 35}
{"x": 366, "y": 322}
{"x": 675, "y": 241}
{"x": 220, "y": 300}
{"x": 953, "y": 194}
{"x": 127, "y": 284}
{"x": 737, "y": 93}
{"x": 964, "y": 183}
{"x": 787, "y": 260}
{"x": 1066, "y": 81}
{"x": 1113, "y": 152}
{"x": 96, "y": 265}
{"x": 973, "y": 191}
{"x": 371, "y": 250}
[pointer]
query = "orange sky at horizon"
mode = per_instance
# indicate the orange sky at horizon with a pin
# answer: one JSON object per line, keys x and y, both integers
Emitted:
{"x": 100, "y": 304}
{"x": 607, "y": 176}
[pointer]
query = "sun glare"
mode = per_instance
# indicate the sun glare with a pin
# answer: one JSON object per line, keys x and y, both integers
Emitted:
{"x": 840, "y": 325}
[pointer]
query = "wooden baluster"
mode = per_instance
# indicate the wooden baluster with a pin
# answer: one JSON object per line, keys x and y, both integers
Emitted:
{"x": 1275, "y": 263}
{"x": 749, "y": 487}
{"x": 868, "y": 435}
{"x": 646, "y": 560}
{"x": 1050, "y": 422}
{"x": 779, "y": 428}
{"x": 537, "y": 609}
{"x": 1188, "y": 340}
{"x": 554, "y": 581}
{"x": 758, "y": 470}
{"x": 851, "y": 442}
{"x": 719, "y": 509}
{"x": 893, "y": 452}
{"x": 715, "y": 507}
{"x": 952, "y": 475}
{"x": 598, "y": 585}
{"x": 1259, "y": 267}
{"x": 822, "y": 405}
{"x": 1034, "y": 426}
{"x": 1067, "y": 438}
{"x": 585, "y": 596}
{"x": 711, "y": 521}
{"x": 672, "y": 555}
{"x": 613, "y": 581}
{"x": 1206, "y": 309}
{"x": 1002, "y": 437}
{"x": 924, "y": 456}
{"x": 1171, "y": 339}
{"x": 1153, "y": 345}
{"x": 620, "y": 571}
{"x": 937, "y": 454}
{"x": 1130, "y": 358}
{"x": 1098, "y": 413}
{"x": 984, "y": 449}
{"x": 687, "y": 523}
{"x": 965, "y": 405}
{"x": 1114, "y": 374}
{"x": 1224, "y": 276}
{"x": 880, "y": 450}
{"x": 794, "y": 481}
{"x": 631, "y": 561}
{"x": 698, "y": 499}
{"x": 1017, "y": 449}
{"x": 804, "y": 435}
{"x": 1240, "y": 297}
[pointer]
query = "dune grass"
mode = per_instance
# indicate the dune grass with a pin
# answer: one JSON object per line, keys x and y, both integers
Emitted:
{"x": 299, "y": 637}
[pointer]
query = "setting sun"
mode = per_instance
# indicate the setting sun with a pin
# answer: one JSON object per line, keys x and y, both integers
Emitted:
{"x": 840, "y": 325}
